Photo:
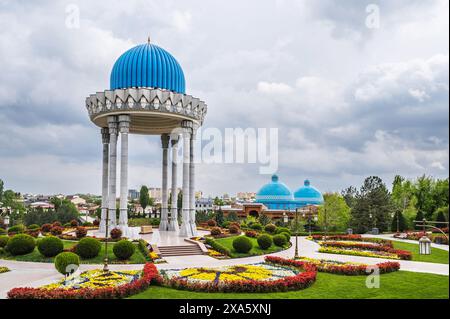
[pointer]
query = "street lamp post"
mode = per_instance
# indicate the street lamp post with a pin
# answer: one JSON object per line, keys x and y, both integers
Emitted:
{"x": 296, "y": 234}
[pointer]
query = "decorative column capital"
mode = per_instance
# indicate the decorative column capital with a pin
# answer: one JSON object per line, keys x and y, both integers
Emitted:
{"x": 112, "y": 124}
{"x": 105, "y": 135}
{"x": 186, "y": 124}
{"x": 124, "y": 123}
{"x": 174, "y": 140}
{"x": 165, "y": 138}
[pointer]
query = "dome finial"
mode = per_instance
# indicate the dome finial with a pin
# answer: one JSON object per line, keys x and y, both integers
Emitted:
{"x": 274, "y": 178}
{"x": 148, "y": 39}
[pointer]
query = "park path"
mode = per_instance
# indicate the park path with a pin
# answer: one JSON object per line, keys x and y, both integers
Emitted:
{"x": 32, "y": 274}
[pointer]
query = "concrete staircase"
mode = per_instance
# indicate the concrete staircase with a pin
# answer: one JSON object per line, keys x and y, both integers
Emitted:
{"x": 184, "y": 250}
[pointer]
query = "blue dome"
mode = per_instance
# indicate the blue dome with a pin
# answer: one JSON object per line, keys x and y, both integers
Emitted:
{"x": 147, "y": 65}
{"x": 307, "y": 195}
{"x": 275, "y": 195}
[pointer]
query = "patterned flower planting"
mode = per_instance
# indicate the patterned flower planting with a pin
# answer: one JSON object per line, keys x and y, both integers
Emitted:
{"x": 95, "y": 279}
{"x": 259, "y": 272}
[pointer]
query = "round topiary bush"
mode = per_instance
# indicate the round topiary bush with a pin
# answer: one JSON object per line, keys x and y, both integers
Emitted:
{"x": 216, "y": 231}
{"x": 211, "y": 223}
{"x": 282, "y": 230}
{"x": 74, "y": 223}
{"x": 242, "y": 244}
{"x": 46, "y": 228}
{"x": 4, "y": 240}
{"x": 287, "y": 235}
{"x": 50, "y": 246}
{"x": 116, "y": 233}
{"x": 279, "y": 240}
{"x": 264, "y": 241}
{"x": 81, "y": 232}
{"x": 123, "y": 249}
{"x": 20, "y": 244}
{"x": 256, "y": 226}
{"x": 33, "y": 227}
{"x": 17, "y": 229}
{"x": 66, "y": 263}
{"x": 270, "y": 228}
{"x": 96, "y": 222}
{"x": 88, "y": 248}
{"x": 234, "y": 229}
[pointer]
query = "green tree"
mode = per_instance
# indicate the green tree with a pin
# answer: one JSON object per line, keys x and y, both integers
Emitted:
{"x": 419, "y": 217}
{"x": 218, "y": 201}
{"x": 440, "y": 217}
{"x": 349, "y": 194}
{"x": 264, "y": 219}
{"x": 372, "y": 207}
{"x": 219, "y": 217}
{"x": 334, "y": 214}
{"x": 144, "y": 197}
{"x": 232, "y": 217}
{"x": 402, "y": 225}
{"x": 67, "y": 212}
{"x": 57, "y": 202}
{"x": 2, "y": 185}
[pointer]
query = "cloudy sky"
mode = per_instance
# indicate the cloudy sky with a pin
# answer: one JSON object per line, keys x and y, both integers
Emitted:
{"x": 350, "y": 96}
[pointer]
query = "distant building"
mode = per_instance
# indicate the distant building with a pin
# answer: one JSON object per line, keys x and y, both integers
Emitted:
{"x": 204, "y": 204}
{"x": 43, "y": 205}
{"x": 246, "y": 196}
{"x": 133, "y": 194}
{"x": 76, "y": 200}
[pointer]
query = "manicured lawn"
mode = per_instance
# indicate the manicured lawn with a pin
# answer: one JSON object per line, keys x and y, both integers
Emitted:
{"x": 255, "y": 251}
{"x": 397, "y": 285}
{"x": 437, "y": 255}
{"x": 136, "y": 258}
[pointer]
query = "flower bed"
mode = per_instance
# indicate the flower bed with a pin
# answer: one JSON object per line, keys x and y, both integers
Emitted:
{"x": 4, "y": 269}
{"x": 99, "y": 288}
{"x": 356, "y": 245}
{"x": 275, "y": 274}
{"x": 349, "y": 268}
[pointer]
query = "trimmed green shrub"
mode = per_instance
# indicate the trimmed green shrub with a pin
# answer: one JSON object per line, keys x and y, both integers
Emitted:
{"x": 287, "y": 235}
{"x": 4, "y": 240}
{"x": 50, "y": 246}
{"x": 279, "y": 240}
{"x": 256, "y": 226}
{"x": 2, "y": 251}
{"x": 264, "y": 241}
{"x": 242, "y": 244}
{"x": 123, "y": 249}
{"x": 283, "y": 230}
{"x": 20, "y": 244}
{"x": 66, "y": 262}
{"x": 2, "y": 231}
{"x": 217, "y": 246}
{"x": 88, "y": 248}
{"x": 270, "y": 228}
{"x": 17, "y": 229}
{"x": 33, "y": 227}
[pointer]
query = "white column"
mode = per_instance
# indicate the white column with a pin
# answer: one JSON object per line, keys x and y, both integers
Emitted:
{"x": 164, "y": 223}
{"x": 124, "y": 128}
{"x": 112, "y": 125}
{"x": 192, "y": 184}
{"x": 173, "y": 219}
{"x": 105, "y": 163}
{"x": 185, "y": 230}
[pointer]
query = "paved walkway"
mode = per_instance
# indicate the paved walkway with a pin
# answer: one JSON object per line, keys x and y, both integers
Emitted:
{"x": 30, "y": 274}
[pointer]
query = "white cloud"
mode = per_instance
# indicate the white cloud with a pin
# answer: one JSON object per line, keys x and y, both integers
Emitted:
{"x": 274, "y": 88}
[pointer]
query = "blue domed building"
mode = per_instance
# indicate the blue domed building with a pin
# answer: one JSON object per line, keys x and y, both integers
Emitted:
{"x": 147, "y": 95}
{"x": 307, "y": 195}
{"x": 275, "y": 195}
